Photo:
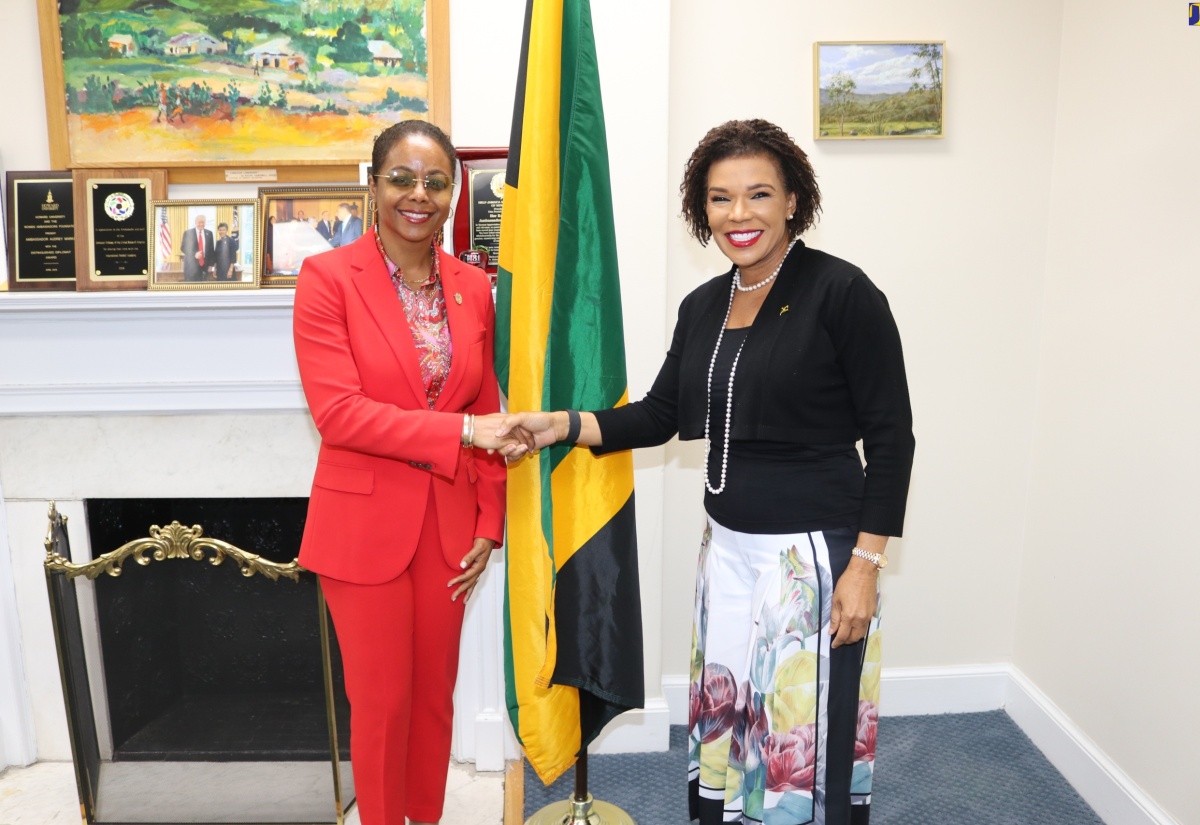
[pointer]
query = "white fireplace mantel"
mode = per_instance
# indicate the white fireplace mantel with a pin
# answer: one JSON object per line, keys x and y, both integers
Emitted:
{"x": 147, "y": 352}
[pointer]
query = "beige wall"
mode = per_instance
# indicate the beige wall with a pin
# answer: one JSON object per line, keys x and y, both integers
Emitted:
{"x": 1041, "y": 262}
{"x": 954, "y": 232}
{"x": 1108, "y": 591}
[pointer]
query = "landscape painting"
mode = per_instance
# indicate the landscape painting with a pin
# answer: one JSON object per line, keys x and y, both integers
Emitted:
{"x": 192, "y": 82}
{"x": 878, "y": 90}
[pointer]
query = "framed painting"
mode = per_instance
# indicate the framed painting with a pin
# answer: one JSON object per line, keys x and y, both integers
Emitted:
{"x": 878, "y": 89}
{"x": 205, "y": 244}
{"x": 300, "y": 86}
{"x": 298, "y": 222}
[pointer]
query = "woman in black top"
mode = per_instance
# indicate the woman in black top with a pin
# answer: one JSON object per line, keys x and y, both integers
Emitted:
{"x": 781, "y": 365}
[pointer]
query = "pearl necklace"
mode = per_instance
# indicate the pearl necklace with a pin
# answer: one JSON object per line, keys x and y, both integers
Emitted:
{"x": 734, "y": 289}
{"x": 737, "y": 275}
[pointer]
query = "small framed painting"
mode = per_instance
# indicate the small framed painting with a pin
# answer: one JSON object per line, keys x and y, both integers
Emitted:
{"x": 205, "y": 244}
{"x": 878, "y": 90}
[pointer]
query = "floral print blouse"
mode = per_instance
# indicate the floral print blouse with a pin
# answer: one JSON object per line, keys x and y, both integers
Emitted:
{"x": 425, "y": 309}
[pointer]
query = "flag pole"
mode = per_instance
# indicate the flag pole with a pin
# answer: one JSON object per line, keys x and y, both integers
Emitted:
{"x": 581, "y": 809}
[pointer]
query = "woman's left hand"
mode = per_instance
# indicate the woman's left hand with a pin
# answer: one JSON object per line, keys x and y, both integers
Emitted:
{"x": 854, "y": 600}
{"x": 473, "y": 564}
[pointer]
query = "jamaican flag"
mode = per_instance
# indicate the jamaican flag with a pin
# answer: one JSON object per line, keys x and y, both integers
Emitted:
{"x": 573, "y": 628}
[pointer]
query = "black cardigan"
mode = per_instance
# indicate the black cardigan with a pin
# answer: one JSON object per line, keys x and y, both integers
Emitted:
{"x": 822, "y": 365}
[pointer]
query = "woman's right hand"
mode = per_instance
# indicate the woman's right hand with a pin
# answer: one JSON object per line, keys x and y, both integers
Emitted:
{"x": 488, "y": 438}
{"x": 530, "y": 431}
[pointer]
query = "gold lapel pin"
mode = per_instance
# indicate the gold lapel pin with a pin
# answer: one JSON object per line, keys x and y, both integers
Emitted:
{"x": 458, "y": 297}
{"x": 786, "y": 307}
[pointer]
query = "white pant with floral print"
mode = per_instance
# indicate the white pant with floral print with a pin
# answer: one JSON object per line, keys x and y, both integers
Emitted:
{"x": 782, "y": 728}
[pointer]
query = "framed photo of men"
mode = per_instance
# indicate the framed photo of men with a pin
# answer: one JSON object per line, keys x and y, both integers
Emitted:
{"x": 299, "y": 222}
{"x": 205, "y": 244}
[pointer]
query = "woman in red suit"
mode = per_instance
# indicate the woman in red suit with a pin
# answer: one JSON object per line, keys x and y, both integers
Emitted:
{"x": 394, "y": 342}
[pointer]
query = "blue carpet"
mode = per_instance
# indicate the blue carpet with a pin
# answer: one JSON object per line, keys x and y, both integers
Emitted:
{"x": 959, "y": 769}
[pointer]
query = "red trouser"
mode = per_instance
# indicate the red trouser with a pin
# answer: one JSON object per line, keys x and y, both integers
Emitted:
{"x": 399, "y": 644}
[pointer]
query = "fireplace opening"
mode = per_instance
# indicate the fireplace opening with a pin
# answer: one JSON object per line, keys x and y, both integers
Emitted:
{"x": 203, "y": 663}
{"x": 202, "y": 680}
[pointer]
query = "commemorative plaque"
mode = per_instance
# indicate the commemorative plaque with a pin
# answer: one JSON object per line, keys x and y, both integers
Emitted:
{"x": 115, "y": 249}
{"x": 41, "y": 231}
{"x": 480, "y": 202}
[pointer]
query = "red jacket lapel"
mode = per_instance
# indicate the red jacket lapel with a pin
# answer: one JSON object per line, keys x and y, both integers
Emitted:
{"x": 379, "y": 295}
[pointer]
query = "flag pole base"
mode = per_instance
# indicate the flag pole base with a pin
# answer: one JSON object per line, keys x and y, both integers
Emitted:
{"x": 573, "y": 812}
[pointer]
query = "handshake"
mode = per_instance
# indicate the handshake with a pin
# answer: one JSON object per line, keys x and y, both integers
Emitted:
{"x": 513, "y": 435}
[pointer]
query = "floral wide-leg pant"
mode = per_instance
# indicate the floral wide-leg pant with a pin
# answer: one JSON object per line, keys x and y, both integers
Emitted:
{"x": 782, "y": 728}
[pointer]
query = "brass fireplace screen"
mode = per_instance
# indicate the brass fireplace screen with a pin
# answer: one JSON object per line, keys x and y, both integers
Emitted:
{"x": 166, "y": 722}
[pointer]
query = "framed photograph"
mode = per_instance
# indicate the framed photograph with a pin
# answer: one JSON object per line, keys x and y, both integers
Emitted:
{"x": 878, "y": 90}
{"x": 298, "y": 222}
{"x": 285, "y": 83}
{"x": 5, "y": 232}
{"x": 113, "y": 220}
{"x": 40, "y": 224}
{"x": 205, "y": 244}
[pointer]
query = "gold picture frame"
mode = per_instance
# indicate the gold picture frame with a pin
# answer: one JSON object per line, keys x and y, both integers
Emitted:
{"x": 301, "y": 221}
{"x": 149, "y": 81}
{"x": 227, "y": 229}
{"x": 878, "y": 89}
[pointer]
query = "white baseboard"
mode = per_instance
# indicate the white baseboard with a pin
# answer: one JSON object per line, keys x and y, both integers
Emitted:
{"x": 905, "y": 691}
{"x": 637, "y": 731}
{"x": 490, "y": 730}
{"x": 1114, "y": 796}
{"x": 920, "y": 691}
{"x": 675, "y": 688}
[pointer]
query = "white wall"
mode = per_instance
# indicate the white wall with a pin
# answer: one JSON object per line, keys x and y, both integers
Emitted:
{"x": 1108, "y": 610}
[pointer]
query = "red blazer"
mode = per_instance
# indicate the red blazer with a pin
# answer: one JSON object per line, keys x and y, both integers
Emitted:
{"x": 383, "y": 451}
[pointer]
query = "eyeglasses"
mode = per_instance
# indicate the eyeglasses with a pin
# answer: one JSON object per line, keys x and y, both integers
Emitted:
{"x": 403, "y": 181}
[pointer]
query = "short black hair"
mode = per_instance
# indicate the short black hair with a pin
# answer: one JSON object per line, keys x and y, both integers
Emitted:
{"x": 395, "y": 133}
{"x": 744, "y": 138}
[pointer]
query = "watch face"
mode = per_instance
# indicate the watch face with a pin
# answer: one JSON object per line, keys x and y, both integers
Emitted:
{"x": 881, "y": 561}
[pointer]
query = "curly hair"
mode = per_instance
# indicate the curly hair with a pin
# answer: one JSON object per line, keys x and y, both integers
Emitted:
{"x": 742, "y": 138}
{"x": 395, "y": 133}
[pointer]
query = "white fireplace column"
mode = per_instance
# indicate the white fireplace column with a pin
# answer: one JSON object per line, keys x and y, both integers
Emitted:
{"x": 17, "y": 743}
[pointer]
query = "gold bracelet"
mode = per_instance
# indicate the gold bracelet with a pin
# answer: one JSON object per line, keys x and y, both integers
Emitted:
{"x": 467, "y": 432}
